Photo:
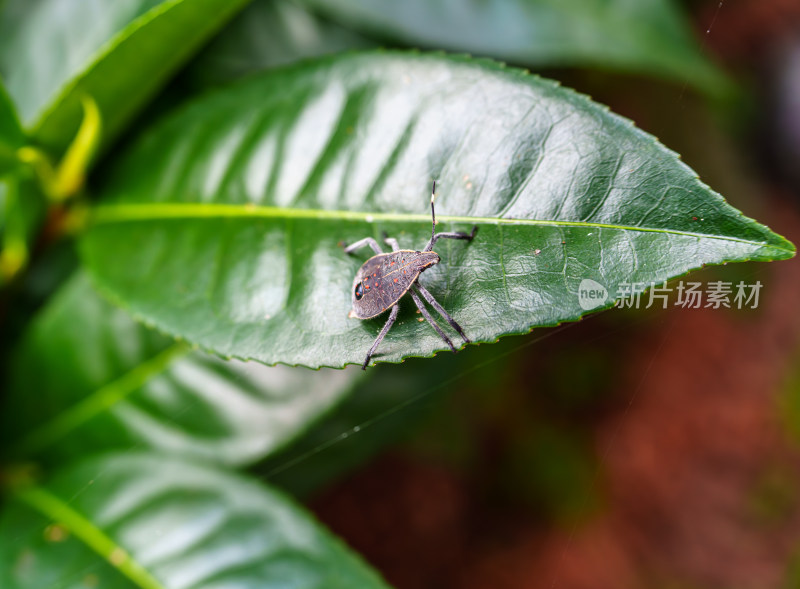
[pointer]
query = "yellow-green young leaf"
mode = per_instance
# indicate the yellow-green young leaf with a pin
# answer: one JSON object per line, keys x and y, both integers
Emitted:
{"x": 222, "y": 224}
{"x": 22, "y": 208}
{"x": 103, "y": 380}
{"x": 133, "y": 520}
{"x": 650, "y": 37}
{"x": 53, "y": 52}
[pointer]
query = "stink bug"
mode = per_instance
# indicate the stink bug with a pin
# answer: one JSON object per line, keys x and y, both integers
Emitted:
{"x": 383, "y": 280}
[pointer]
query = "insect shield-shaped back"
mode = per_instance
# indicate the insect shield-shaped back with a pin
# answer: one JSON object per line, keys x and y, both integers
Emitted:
{"x": 384, "y": 278}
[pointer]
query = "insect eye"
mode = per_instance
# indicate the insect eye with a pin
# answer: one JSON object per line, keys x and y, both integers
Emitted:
{"x": 359, "y": 291}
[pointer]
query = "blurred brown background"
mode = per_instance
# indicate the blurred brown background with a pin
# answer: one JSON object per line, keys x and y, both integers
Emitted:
{"x": 635, "y": 449}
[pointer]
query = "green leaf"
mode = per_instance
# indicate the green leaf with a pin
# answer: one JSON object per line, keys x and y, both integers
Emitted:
{"x": 222, "y": 224}
{"x": 11, "y": 135}
{"x": 119, "y": 53}
{"x": 102, "y": 380}
{"x": 647, "y": 36}
{"x": 138, "y": 520}
{"x": 266, "y": 34}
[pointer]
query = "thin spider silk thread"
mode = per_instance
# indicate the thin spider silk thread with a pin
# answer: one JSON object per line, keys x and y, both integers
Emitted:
{"x": 407, "y": 403}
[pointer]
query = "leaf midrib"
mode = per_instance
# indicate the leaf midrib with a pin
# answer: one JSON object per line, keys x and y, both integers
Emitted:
{"x": 57, "y": 510}
{"x": 119, "y": 213}
{"x": 90, "y": 406}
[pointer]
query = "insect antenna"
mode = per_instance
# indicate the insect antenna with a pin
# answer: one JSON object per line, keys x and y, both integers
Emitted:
{"x": 433, "y": 214}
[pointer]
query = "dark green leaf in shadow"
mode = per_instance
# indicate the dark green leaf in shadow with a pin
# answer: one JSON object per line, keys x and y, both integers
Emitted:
{"x": 266, "y": 34}
{"x": 139, "y": 520}
{"x": 120, "y": 53}
{"x": 11, "y": 135}
{"x": 87, "y": 376}
{"x": 650, "y": 37}
{"x": 3, "y": 204}
{"x": 221, "y": 226}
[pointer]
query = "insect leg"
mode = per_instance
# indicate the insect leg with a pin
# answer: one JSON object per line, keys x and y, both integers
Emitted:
{"x": 349, "y": 249}
{"x": 391, "y": 242}
{"x": 433, "y": 303}
{"x": 431, "y": 320}
{"x": 450, "y": 235}
{"x": 381, "y": 335}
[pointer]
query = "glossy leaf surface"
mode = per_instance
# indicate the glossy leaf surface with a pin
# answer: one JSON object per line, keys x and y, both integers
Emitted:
{"x": 138, "y": 520}
{"x": 223, "y": 224}
{"x": 120, "y": 53}
{"x": 103, "y": 380}
{"x": 646, "y": 36}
